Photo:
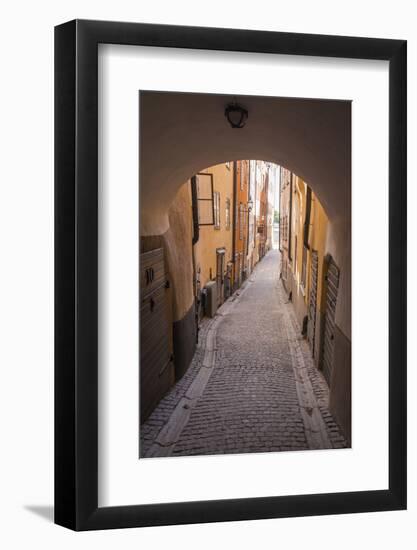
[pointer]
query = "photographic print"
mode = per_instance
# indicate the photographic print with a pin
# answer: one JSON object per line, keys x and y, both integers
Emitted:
{"x": 245, "y": 283}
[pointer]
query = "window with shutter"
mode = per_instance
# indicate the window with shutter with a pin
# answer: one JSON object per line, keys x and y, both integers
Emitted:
{"x": 205, "y": 198}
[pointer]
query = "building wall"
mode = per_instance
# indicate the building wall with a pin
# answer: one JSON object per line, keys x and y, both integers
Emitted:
{"x": 318, "y": 237}
{"x": 271, "y": 195}
{"x": 263, "y": 209}
{"x": 211, "y": 238}
{"x": 285, "y": 226}
{"x": 292, "y": 245}
{"x": 176, "y": 242}
{"x": 299, "y": 290}
{"x": 252, "y": 216}
{"x": 241, "y": 221}
{"x": 190, "y": 267}
{"x": 260, "y": 207}
{"x": 326, "y": 239}
{"x": 184, "y": 133}
{"x": 179, "y": 251}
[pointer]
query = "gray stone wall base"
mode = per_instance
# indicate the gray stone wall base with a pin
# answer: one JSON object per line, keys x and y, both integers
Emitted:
{"x": 184, "y": 336}
{"x": 340, "y": 389}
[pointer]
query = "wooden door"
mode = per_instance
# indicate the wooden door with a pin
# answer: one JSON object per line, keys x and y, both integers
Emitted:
{"x": 312, "y": 302}
{"x": 156, "y": 360}
{"x": 332, "y": 285}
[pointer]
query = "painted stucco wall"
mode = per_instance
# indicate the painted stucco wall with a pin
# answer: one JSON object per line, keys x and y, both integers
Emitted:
{"x": 284, "y": 230}
{"x": 252, "y": 218}
{"x": 318, "y": 236}
{"x": 260, "y": 206}
{"x": 210, "y": 238}
{"x": 325, "y": 237}
{"x": 177, "y": 243}
{"x": 241, "y": 218}
{"x": 299, "y": 294}
{"x": 318, "y": 231}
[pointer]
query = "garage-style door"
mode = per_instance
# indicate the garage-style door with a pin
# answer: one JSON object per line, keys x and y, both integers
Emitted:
{"x": 332, "y": 285}
{"x": 156, "y": 361}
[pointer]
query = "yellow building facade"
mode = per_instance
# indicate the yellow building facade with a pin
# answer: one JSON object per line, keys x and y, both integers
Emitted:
{"x": 241, "y": 222}
{"x": 213, "y": 252}
{"x": 303, "y": 235}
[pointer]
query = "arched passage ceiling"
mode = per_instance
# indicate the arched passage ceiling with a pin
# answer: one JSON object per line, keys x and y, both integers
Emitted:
{"x": 181, "y": 134}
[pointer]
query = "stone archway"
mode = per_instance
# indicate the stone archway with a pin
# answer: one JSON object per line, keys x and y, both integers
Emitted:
{"x": 184, "y": 133}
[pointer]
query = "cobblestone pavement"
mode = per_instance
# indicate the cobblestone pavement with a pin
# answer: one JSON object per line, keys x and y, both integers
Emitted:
{"x": 252, "y": 385}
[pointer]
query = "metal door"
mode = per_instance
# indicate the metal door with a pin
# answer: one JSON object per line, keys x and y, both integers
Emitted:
{"x": 156, "y": 361}
{"x": 312, "y": 303}
{"x": 228, "y": 280}
{"x": 241, "y": 268}
{"x": 332, "y": 285}
{"x": 220, "y": 275}
{"x": 236, "y": 283}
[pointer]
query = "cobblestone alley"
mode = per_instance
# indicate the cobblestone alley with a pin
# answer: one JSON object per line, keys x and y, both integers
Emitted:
{"x": 252, "y": 385}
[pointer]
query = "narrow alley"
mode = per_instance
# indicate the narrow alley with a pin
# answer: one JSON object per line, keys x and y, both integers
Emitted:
{"x": 252, "y": 385}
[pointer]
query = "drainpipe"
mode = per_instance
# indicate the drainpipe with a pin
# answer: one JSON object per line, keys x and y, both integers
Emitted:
{"x": 255, "y": 225}
{"x": 234, "y": 218}
{"x": 266, "y": 206}
{"x": 290, "y": 220}
{"x": 279, "y": 213}
{"x": 247, "y": 228}
{"x": 194, "y": 205}
{"x": 247, "y": 208}
{"x": 247, "y": 166}
{"x": 196, "y": 236}
{"x": 307, "y": 218}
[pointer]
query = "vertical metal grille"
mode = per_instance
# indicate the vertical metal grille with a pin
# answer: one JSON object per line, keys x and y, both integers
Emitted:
{"x": 332, "y": 285}
{"x": 220, "y": 275}
{"x": 312, "y": 303}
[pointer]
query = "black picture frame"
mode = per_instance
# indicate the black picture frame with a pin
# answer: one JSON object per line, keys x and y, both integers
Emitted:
{"x": 76, "y": 270}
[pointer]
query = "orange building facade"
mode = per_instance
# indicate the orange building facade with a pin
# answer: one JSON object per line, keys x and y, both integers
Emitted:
{"x": 241, "y": 225}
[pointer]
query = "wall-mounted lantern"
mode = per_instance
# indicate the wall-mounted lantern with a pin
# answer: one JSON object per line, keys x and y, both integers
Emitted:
{"x": 236, "y": 115}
